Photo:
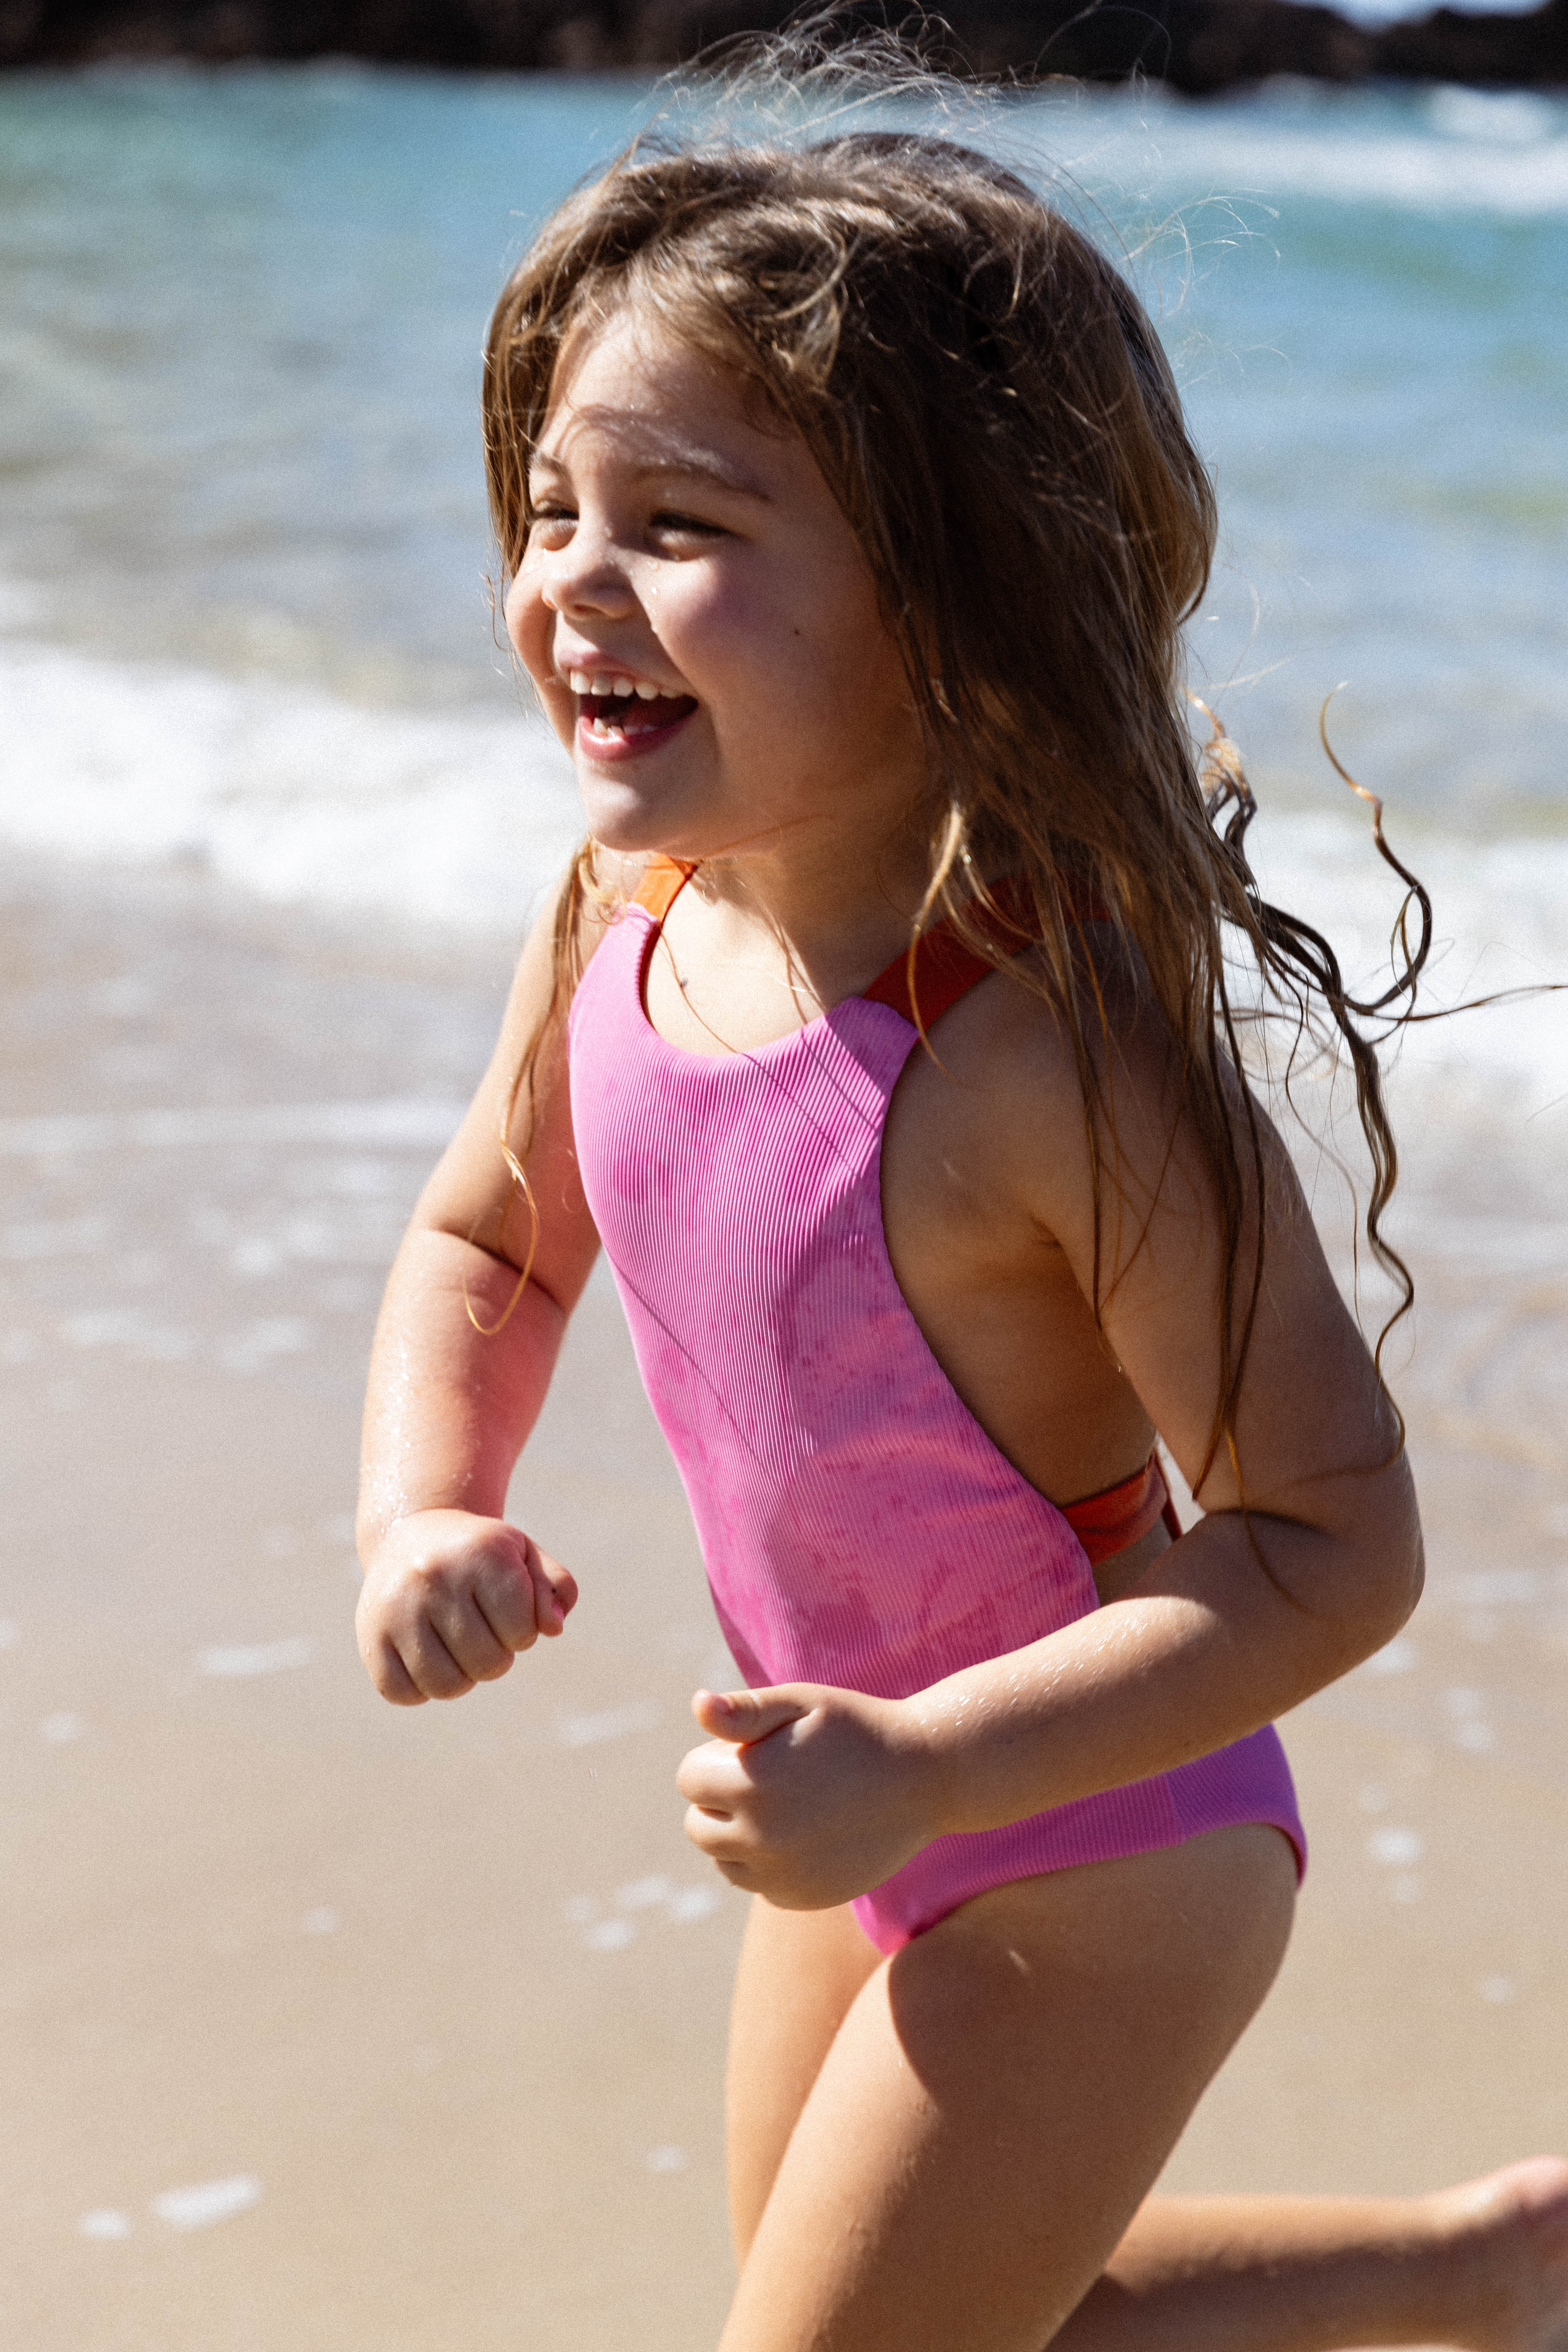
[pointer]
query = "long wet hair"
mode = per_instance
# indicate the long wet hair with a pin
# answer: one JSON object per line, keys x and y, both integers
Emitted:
{"x": 990, "y": 404}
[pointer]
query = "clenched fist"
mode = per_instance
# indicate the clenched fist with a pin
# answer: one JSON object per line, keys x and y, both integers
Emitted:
{"x": 449, "y": 1599}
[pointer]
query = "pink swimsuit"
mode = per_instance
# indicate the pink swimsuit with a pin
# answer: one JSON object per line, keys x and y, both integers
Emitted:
{"x": 859, "y": 1527}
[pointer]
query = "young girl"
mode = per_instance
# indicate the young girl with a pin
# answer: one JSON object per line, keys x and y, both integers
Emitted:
{"x": 880, "y": 1035}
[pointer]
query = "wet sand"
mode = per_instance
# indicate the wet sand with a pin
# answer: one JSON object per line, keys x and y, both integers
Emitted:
{"x": 427, "y": 2009}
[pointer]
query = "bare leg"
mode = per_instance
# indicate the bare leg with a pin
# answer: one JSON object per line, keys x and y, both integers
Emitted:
{"x": 1484, "y": 2266}
{"x": 799, "y": 1974}
{"x": 1000, "y": 2097}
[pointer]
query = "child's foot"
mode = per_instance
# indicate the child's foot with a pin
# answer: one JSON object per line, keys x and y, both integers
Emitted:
{"x": 1508, "y": 2234}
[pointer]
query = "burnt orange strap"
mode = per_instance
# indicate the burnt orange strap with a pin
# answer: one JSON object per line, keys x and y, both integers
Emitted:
{"x": 945, "y": 969}
{"x": 1107, "y": 1522}
{"x": 662, "y": 886}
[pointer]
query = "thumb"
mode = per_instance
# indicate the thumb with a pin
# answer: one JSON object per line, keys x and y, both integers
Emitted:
{"x": 554, "y": 1590}
{"x": 747, "y": 1715}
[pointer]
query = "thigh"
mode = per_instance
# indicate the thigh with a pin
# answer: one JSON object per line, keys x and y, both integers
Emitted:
{"x": 798, "y": 1976}
{"x": 1000, "y": 2098}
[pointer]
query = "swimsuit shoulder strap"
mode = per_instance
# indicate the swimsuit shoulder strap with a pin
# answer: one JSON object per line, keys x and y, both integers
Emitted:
{"x": 941, "y": 969}
{"x": 661, "y": 885}
{"x": 922, "y": 986}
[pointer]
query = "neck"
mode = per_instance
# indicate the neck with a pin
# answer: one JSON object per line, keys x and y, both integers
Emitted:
{"x": 841, "y": 902}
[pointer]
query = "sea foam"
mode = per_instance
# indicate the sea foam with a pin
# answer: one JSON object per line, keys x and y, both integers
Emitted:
{"x": 1502, "y": 153}
{"x": 291, "y": 793}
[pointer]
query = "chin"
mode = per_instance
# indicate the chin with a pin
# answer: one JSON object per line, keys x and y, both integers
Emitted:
{"x": 635, "y": 823}
{"x": 624, "y": 821}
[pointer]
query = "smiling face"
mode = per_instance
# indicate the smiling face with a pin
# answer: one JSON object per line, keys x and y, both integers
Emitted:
{"x": 700, "y": 620}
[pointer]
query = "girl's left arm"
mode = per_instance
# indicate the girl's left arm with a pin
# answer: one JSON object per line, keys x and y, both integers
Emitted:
{"x": 1249, "y": 1614}
{"x": 1308, "y": 1556}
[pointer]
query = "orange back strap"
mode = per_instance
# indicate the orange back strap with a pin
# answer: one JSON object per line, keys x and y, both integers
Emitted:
{"x": 1107, "y": 1522}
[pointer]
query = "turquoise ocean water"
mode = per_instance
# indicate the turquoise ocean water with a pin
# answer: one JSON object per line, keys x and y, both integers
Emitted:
{"x": 243, "y": 614}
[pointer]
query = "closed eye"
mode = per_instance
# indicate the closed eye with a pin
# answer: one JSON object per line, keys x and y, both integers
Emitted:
{"x": 669, "y": 520}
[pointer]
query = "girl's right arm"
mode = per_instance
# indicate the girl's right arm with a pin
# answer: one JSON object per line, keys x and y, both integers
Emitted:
{"x": 452, "y": 1590}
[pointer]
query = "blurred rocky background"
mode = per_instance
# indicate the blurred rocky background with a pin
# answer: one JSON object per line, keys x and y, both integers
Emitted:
{"x": 1197, "y": 47}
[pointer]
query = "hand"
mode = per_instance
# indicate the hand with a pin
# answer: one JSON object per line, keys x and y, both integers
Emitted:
{"x": 804, "y": 1794}
{"x": 449, "y": 1600}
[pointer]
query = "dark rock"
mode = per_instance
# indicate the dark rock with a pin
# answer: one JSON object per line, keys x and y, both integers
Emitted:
{"x": 1199, "y": 46}
{"x": 1453, "y": 44}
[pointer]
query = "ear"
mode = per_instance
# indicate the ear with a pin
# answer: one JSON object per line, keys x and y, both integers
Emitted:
{"x": 748, "y": 1715}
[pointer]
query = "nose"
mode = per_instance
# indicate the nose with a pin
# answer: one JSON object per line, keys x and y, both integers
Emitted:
{"x": 586, "y": 576}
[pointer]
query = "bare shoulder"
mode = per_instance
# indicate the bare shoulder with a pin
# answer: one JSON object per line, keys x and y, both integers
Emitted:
{"x": 1048, "y": 1066}
{"x": 1167, "y": 1201}
{"x": 1029, "y": 1067}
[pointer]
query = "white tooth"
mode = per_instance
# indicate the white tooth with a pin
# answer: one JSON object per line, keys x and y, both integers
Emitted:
{"x": 623, "y": 685}
{"x": 579, "y": 681}
{"x": 600, "y": 685}
{"x": 648, "y": 693}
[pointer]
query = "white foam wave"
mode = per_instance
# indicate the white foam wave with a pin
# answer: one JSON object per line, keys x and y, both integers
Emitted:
{"x": 1503, "y": 153}
{"x": 299, "y": 797}
{"x": 1500, "y": 927}
{"x": 287, "y": 791}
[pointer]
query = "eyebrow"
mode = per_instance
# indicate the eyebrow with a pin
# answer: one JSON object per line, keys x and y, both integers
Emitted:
{"x": 684, "y": 464}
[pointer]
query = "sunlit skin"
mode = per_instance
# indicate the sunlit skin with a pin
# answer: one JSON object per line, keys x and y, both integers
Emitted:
{"x": 684, "y": 543}
{"x": 718, "y": 565}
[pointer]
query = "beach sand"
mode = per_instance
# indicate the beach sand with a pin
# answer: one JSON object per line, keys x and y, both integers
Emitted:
{"x": 329, "y": 2024}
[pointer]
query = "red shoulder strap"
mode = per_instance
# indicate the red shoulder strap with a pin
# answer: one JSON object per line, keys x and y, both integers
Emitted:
{"x": 944, "y": 969}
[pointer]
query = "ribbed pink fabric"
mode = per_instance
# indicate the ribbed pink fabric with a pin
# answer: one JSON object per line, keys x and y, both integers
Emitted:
{"x": 859, "y": 1527}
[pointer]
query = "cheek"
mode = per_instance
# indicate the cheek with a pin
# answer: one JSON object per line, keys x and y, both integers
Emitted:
{"x": 750, "y": 637}
{"x": 528, "y": 624}
{"x": 531, "y": 627}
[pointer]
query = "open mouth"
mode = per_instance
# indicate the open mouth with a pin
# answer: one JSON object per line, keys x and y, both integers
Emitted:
{"x": 632, "y": 717}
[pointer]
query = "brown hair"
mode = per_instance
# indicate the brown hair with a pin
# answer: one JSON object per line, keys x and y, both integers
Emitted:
{"x": 989, "y": 402}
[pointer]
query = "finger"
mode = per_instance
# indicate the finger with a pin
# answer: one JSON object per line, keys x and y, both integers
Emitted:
{"x": 706, "y": 1777}
{"x": 390, "y": 1676}
{"x": 562, "y": 1588}
{"x": 720, "y": 1840}
{"x": 746, "y": 1715}
{"x": 504, "y": 1591}
{"x": 463, "y": 1628}
{"x": 432, "y": 1668}
{"x": 714, "y": 1777}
